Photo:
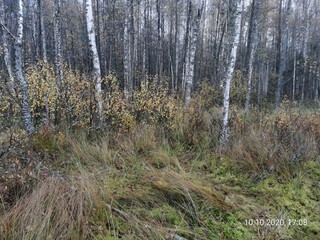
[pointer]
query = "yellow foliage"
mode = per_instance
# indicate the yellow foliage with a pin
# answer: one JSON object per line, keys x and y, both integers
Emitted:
{"x": 73, "y": 102}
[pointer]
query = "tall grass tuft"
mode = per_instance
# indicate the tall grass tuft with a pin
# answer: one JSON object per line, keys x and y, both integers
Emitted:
{"x": 56, "y": 209}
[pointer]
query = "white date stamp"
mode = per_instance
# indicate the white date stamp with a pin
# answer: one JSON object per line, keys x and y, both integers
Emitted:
{"x": 276, "y": 222}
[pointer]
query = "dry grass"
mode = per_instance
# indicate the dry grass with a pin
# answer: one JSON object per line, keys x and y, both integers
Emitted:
{"x": 177, "y": 184}
{"x": 278, "y": 143}
{"x": 54, "y": 210}
{"x": 151, "y": 184}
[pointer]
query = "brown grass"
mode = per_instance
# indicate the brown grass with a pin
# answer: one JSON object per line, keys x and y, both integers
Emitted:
{"x": 54, "y": 210}
{"x": 279, "y": 143}
{"x": 112, "y": 186}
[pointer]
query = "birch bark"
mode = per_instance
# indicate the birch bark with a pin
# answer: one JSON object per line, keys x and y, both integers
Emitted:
{"x": 228, "y": 78}
{"x": 127, "y": 59}
{"x": 57, "y": 55}
{"x": 25, "y": 109}
{"x": 7, "y": 57}
{"x": 95, "y": 59}
{"x": 191, "y": 56}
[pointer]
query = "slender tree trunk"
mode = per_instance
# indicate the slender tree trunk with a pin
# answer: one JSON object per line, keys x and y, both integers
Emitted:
{"x": 316, "y": 86}
{"x": 98, "y": 31}
{"x": 251, "y": 51}
{"x": 294, "y": 74}
{"x": 186, "y": 47}
{"x": 228, "y": 78}
{"x": 170, "y": 49}
{"x": 249, "y": 80}
{"x": 191, "y": 56}
{"x": 7, "y": 57}
{"x": 283, "y": 49}
{"x": 127, "y": 47}
{"x": 20, "y": 73}
{"x": 159, "y": 40}
{"x": 132, "y": 45}
{"x": 145, "y": 33}
{"x": 42, "y": 36}
{"x": 305, "y": 48}
{"x": 96, "y": 72}
{"x": 317, "y": 78}
{"x": 42, "y": 32}
{"x": 216, "y": 31}
{"x": 58, "y": 55}
{"x": 176, "y": 46}
{"x": 220, "y": 49}
{"x": 34, "y": 44}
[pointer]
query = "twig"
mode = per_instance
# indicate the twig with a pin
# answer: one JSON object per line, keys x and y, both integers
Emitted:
{"x": 8, "y": 31}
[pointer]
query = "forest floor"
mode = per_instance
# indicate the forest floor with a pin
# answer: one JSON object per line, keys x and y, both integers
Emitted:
{"x": 148, "y": 184}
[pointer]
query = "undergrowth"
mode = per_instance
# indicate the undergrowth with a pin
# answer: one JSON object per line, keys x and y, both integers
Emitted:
{"x": 170, "y": 181}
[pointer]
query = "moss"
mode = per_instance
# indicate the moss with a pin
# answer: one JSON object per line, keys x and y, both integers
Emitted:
{"x": 168, "y": 215}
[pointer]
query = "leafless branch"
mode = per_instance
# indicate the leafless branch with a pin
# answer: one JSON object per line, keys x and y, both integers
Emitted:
{"x": 8, "y": 31}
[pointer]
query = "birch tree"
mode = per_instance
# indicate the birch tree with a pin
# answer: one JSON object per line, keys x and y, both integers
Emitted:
{"x": 7, "y": 56}
{"x": 25, "y": 109}
{"x": 57, "y": 53}
{"x": 190, "y": 63}
{"x": 95, "y": 59}
{"x": 127, "y": 52}
{"x": 230, "y": 69}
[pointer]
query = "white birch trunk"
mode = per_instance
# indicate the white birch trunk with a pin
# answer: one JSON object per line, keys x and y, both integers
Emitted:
{"x": 127, "y": 54}
{"x": 25, "y": 109}
{"x": 6, "y": 52}
{"x": 57, "y": 44}
{"x": 58, "y": 55}
{"x": 186, "y": 46}
{"x": 227, "y": 85}
{"x": 95, "y": 59}
{"x": 191, "y": 56}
